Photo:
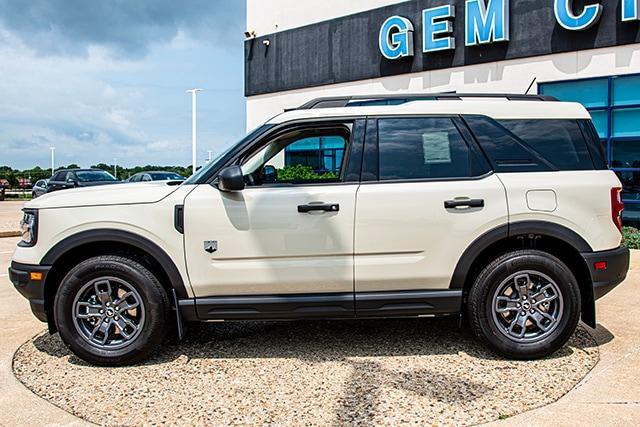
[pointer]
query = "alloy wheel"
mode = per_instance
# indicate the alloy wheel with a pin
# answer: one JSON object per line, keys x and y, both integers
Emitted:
{"x": 108, "y": 312}
{"x": 527, "y": 306}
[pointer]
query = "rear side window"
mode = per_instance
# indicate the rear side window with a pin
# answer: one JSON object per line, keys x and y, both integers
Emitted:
{"x": 421, "y": 148}
{"x": 530, "y": 145}
{"x": 503, "y": 149}
{"x": 560, "y": 142}
{"x": 60, "y": 176}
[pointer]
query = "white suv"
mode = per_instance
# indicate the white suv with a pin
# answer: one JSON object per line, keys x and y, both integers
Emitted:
{"x": 497, "y": 208}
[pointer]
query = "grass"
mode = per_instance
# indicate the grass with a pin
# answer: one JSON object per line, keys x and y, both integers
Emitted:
{"x": 631, "y": 237}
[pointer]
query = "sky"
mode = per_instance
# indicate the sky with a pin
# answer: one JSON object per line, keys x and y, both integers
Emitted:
{"x": 105, "y": 80}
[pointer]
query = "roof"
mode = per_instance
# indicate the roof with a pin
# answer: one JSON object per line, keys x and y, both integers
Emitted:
{"x": 497, "y": 108}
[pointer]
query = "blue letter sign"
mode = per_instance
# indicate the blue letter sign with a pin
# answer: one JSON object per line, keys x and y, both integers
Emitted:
{"x": 396, "y": 38}
{"x": 569, "y": 21}
{"x": 630, "y": 10}
{"x": 437, "y": 21}
{"x": 486, "y": 23}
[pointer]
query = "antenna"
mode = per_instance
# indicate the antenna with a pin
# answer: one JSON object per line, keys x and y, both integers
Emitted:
{"x": 531, "y": 85}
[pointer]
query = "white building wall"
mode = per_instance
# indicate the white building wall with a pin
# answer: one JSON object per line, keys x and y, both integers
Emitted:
{"x": 512, "y": 76}
{"x": 270, "y": 16}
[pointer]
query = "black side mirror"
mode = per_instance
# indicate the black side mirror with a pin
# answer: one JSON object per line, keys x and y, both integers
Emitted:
{"x": 231, "y": 179}
{"x": 269, "y": 174}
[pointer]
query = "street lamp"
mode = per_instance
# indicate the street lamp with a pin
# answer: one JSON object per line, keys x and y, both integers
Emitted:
{"x": 193, "y": 93}
{"x": 53, "y": 160}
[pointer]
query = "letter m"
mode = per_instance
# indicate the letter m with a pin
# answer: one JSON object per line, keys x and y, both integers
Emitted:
{"x": 486, "y": 22}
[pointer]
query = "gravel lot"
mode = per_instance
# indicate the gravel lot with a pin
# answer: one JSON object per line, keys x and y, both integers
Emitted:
{"x": 417, "y": 371}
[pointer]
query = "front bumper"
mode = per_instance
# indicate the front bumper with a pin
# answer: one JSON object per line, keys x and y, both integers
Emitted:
{"x": 33, "y": 290}
{"x": 605, "y": 279}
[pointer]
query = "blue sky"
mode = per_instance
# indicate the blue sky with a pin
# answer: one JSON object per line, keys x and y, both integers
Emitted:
{"x": 106, "y": 79}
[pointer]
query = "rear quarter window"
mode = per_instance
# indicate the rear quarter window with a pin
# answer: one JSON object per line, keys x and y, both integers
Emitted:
{"x": 560, "y": 142}
{"x": 532, "y": 145}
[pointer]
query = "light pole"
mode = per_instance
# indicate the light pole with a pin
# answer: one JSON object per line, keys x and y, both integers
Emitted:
{"x": 194, "y": 142}
{"x": 53, "y": 160}
{"x": 209, "y": 158}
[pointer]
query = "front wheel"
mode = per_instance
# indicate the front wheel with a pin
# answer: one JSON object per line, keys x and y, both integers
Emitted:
{"x": 525, "y": 304}
{"x": 111, "y": 310}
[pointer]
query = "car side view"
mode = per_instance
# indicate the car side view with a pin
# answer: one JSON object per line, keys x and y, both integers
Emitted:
{"x": 39, "y": 188}
{"x": 496, "y": 208}
{"x": 73, "y": 178}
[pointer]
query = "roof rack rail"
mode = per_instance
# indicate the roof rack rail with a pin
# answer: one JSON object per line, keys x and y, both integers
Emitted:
{"x": 368, "y": 100}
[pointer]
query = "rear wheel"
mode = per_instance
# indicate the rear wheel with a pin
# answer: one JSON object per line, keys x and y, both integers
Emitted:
{"x": 525, "y": 304}
{"x": 111, "y": 310}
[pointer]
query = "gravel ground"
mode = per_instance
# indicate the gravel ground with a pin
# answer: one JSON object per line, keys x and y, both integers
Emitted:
{"x": 416, "y": 371}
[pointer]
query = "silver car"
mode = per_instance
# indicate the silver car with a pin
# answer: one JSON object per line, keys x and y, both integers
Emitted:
{"x": 39, "y": 188}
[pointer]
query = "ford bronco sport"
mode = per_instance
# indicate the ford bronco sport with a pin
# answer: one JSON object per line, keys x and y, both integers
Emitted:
{"x": 497, "y": 208}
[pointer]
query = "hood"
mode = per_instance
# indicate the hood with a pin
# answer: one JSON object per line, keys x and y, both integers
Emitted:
{"x": 123, "y": 194}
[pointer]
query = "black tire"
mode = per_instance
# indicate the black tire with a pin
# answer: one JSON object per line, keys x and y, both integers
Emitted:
{"x": 154, "y": 310}
{"x": 486, "y": 322}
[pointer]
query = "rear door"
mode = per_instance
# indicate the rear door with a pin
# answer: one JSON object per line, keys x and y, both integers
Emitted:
{"x": 427, "y": 194}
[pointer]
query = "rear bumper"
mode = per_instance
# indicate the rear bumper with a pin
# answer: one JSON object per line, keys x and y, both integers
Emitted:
{"x": 605, "y": 279}
{"x": 33, "y": 290}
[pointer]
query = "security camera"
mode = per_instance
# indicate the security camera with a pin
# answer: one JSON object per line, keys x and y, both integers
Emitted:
{"x": 249, "y": 34}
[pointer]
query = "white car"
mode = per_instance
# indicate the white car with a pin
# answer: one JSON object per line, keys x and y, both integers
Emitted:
{"x": 497, "y": 208}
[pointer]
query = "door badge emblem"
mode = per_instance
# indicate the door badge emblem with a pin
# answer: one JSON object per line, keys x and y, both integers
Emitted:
{"x": 210, "y": 246}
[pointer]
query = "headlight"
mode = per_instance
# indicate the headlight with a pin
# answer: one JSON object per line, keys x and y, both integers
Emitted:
{"x": 29, "y": 228}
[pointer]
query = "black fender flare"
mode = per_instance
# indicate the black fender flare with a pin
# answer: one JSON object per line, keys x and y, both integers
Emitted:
{"x": 504, "y": 231}
{"x": 119, "y": 236}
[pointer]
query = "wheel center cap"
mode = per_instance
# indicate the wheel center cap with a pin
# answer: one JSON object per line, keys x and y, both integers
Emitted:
{"x": 526, "y": 305}
{"x": 110, "y": 312}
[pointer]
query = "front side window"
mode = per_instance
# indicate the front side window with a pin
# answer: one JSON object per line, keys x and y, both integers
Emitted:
{"x": 421, "y": 148}
{"x": 299, "y": 157}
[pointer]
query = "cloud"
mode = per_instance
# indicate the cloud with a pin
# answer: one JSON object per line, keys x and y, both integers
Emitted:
{"x": 124, "y": 28}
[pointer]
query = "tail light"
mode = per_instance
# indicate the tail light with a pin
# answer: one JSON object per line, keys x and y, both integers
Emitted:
{"x": 617, "y": 207}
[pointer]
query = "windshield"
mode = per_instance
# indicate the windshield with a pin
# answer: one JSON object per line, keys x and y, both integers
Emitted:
{"x": 166, "y": 176}
{"x": 94, "y": 176}
{"x": 214, "y": 164}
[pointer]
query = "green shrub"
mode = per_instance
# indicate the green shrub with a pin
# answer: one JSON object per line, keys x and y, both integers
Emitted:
{"x": 302, "y": 173}
{"x": 631, "y": 237}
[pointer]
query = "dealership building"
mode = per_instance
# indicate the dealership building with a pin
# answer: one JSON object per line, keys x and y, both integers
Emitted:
{"x": 575, "y": 50}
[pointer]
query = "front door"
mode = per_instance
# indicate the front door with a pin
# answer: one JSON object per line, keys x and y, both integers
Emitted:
{"x": 282, "y": 247}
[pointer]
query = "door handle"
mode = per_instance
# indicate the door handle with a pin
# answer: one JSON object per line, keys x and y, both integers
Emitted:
{"x": 328, "y": 207}
{"x": 464, "y": 203}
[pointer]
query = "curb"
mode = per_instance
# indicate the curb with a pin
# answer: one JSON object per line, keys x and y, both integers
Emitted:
{"x": 10, "y": 234}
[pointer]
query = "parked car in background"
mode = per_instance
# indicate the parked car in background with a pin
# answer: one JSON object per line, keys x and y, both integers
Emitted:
{"x": 156, "y": 176}
{"x": 39, "y": 188}
{"x": 72, "y": 178}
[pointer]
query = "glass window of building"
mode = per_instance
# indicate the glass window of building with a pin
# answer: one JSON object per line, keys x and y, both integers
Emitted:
{"x": 614, "y": 105}
{"x": 322, "y": 153}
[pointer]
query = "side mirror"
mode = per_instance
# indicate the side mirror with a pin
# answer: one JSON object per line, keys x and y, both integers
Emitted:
{"x": 70, "y": 181}
{"x": 269, "y": 174}
{"x": 231, "y": 179}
